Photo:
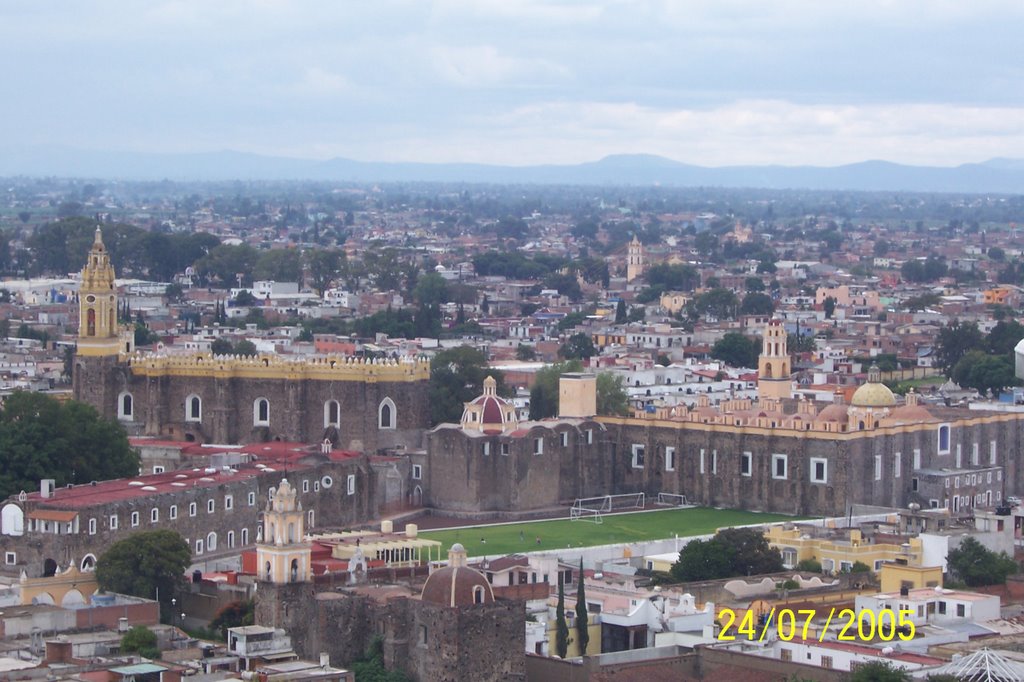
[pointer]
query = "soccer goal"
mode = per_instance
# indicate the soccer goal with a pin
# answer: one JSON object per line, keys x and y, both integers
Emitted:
{"x": 672, "y": 500}
{"x": 593, "y": 507}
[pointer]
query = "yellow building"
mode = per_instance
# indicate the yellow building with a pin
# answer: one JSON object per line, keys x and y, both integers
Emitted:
{"x": 674, "y": 301}
{"x": 284, "y": 554}
{"x": 895, "y": 576}
{"x": 837, "y": 553}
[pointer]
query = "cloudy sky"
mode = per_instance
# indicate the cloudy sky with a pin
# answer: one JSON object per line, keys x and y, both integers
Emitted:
{"x": 520, "y": 81}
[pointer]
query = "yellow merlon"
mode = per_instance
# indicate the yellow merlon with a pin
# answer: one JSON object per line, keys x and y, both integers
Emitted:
{"x": 319, "y": 368}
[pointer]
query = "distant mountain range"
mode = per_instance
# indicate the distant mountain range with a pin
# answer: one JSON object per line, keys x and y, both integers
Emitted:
{"x": 993, "y": 176}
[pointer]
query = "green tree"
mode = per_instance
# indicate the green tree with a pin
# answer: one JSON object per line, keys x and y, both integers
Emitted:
{"x": 802, "y": 343}
{"x": 233, "y": 615}
{"x": 997, "y": 254}
{"x": 620, "y": 312}
{"x": 753, "y": 284}
{"x": 976, "y": 565}
{"x": 544, "y": 394}
{"x": 278, "y": 265}
{"x": 140, "y": 640}
{"x": 829, "y": 306}
{"x": 323, "y": 265}
{"x": 612, "y": 398}
{"x": 878, "y": 671}
{"x": 1005, "y": 335}
{"x": 561, "y": 627}
{"x": 221, "y": 347}
{"x": 757, "y": 304}
{"x": 370, "y": 668}
{"x": 431, "y": 289}
{"x": 456, "y": 377}
{"x": 983, "y": 372}
{"x": 954, "y": 341}
{"x": 526, "y": 353}
{"x": 737, "y": 350}
{"x": 225, "y": 262}
{"x": 719, "y": 303}
{"x": 731, "y": 552}
{"x": 577, "y": 347}
{"x": 582, "y": 619}
{"x": 809, "y": 565}
{"x": 145, "y": 565}
{"x": 68, "y": 442}
{"x": 921, "y": 302}
{"x": 245, "y": 347}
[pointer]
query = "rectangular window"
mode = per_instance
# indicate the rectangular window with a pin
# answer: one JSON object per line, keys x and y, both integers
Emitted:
{"x": 638, "y": 456}
{"x": 199, "y": 546}
{"x": 702, "y": 460}
{"x": 113, "y": 522}
{"x": 173, "y": 512}
{"x": 154, "y": 515}
{"x": 975, "y": 454}
{"x": 746, "y": 464}
{"x": 944, "y": 439}
{"x": 191, "y": 508}
{"x": 786, "y": 654}
{"x": 211, "y": 506}
{"x": 92, "y": 526}
{"x": 565, "y": 439}
{"x": 942, "y": 608}
{"x": 989, "y": 477}
{"x": 878, "y": 467}
{"x": 251, "y": 499}
{"x": 917, "y": 458}
{"x": 590, "y": 436}
{"x": 779, "y": 466}
{"x": 417, "y": 472}
{"x": 826, "y": 662}
{"x": 504, "y": 448}
{"x": 10, "y": 558}
{"x": 992, "y": 452}
{"x": 714, "y": 461}
{"x": 897, "y": 465}
{"x": 158, "y": 469}
{"x": 487, "y": 448}
{"x": 961, "y": 610}
{"x": 229, "y": 502}
{"x": 316, "y": 486}
{"x": 819, "y": 470}
{"x": 959, "y": 457}
{"x": 350, "y": 484}
{"x": 305, "y": 486}
{"x": 538, "y": 446}
{"x": 956, "y": 482}
{"x": 670, "y": 459}
{"x": 947, "y": 482}
{"x": 913, "y": 484}
{"x": 135, "y": 519}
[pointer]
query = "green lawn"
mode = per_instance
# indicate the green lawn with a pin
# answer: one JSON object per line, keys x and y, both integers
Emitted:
{"x": 637, "y": 527}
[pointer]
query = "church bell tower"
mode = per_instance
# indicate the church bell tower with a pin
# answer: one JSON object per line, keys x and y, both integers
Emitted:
{"x": 100, "y": 339}
{"x": 773, "y": 368}
{"x": 98, "y": 334}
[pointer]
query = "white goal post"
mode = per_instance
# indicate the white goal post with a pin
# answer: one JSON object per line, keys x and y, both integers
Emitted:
{"x": 672, "y": 500}
{"x": 594, "y": 507}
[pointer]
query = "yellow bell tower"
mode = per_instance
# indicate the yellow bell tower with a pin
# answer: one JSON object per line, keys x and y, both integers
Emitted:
{"x": 773, "y": 377}
{"x": 283, "y": 555}
{"x": 635, "y": 262}
{"x": 98, "y": 334}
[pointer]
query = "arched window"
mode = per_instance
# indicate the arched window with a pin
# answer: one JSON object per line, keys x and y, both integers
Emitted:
{"x": 768, "y": 370}
{"x": 231, "y": 539}
{"x": 245, "y": 537}
{"x": 269, "y": 574}
{"x": 295, "y": 570}
{"x": 125, "y": 407}
{"x": 211, "y": 542}
{"x": 386, "y": 416}
{"x": 478, "y": 595}
{"x": 291, "y": 533}
{"x": 89, "y": 562}
{"x": 261, "y": 412}
{"x": 90, "y": 322}
{"x": 332, "y": 414}
{"x": 193, "y": 408}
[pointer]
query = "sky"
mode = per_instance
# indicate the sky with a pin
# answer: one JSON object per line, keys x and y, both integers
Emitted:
{"x": 520, "y": 82}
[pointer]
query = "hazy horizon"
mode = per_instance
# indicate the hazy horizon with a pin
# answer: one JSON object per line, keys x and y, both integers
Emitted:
{"x": 519, "y": 83}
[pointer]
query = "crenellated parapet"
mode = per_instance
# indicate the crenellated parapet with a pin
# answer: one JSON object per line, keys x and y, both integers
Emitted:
{"x": 293, "y": 368}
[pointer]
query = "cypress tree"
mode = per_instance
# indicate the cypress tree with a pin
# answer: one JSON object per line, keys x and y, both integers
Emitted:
{"x": 561, "y": 628}
{"x": 582, "y": 633}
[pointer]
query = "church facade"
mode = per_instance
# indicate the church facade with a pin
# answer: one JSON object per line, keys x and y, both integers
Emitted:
{"x": 359, "y": 404}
